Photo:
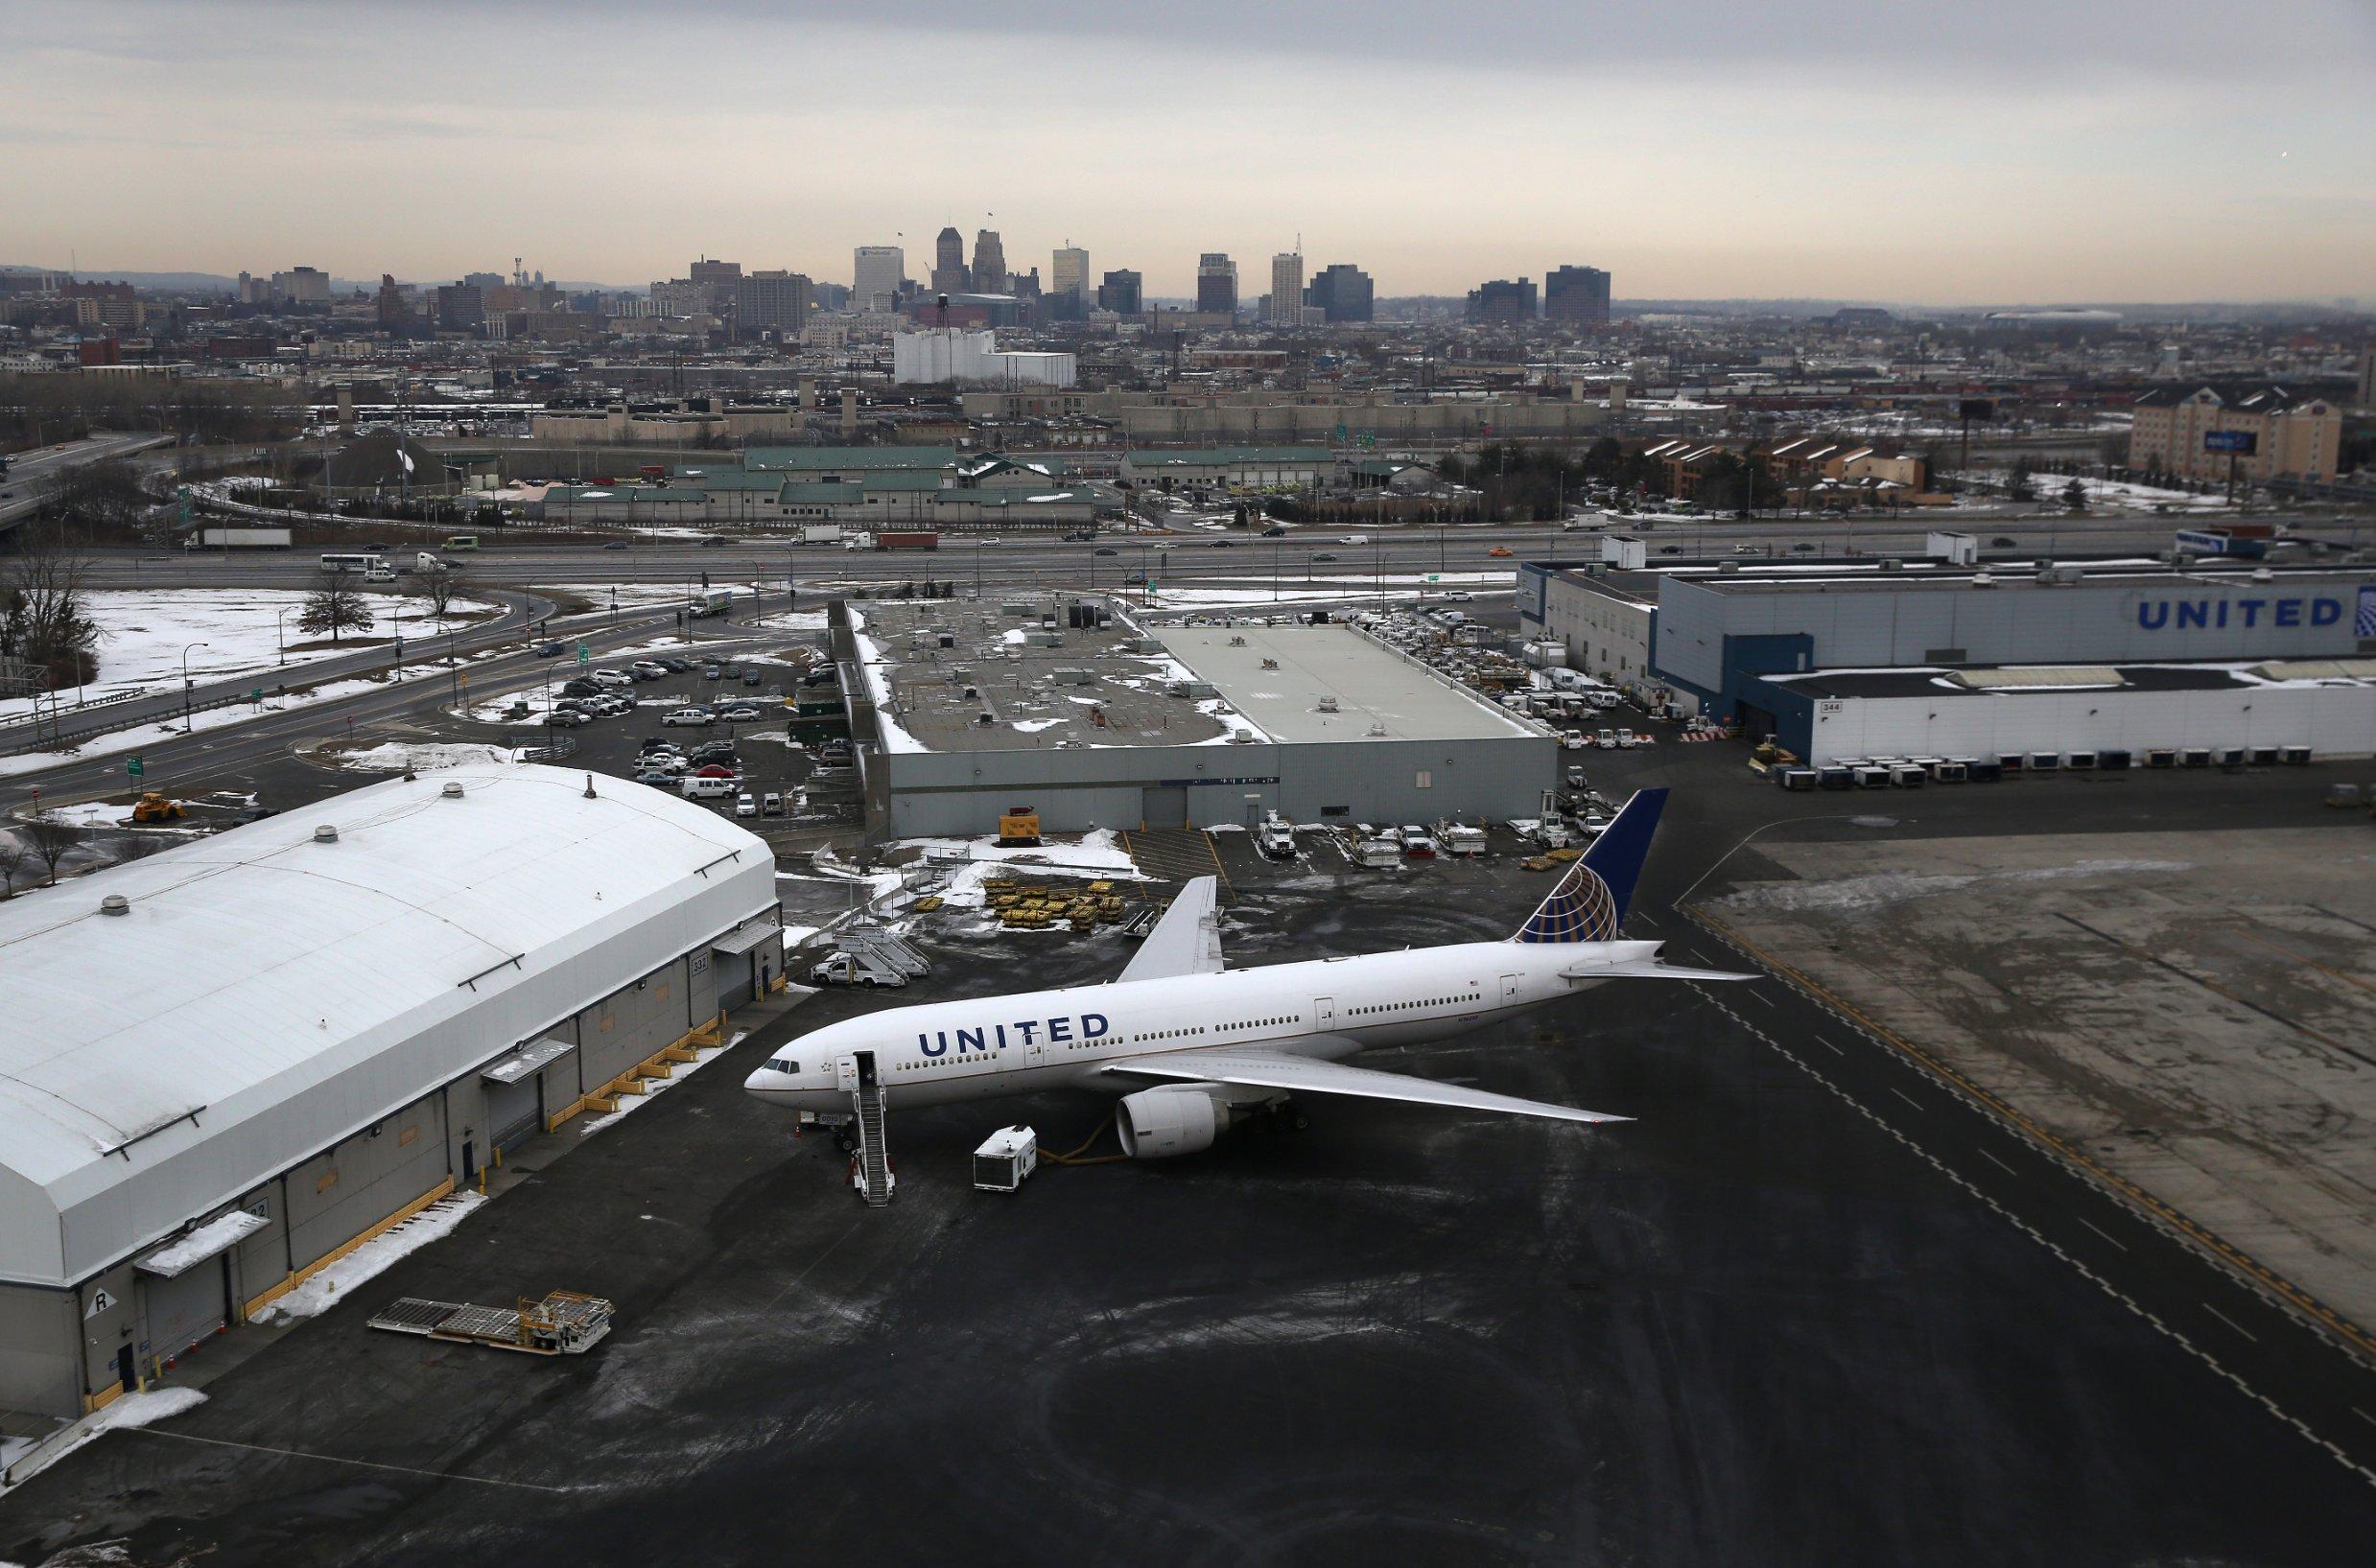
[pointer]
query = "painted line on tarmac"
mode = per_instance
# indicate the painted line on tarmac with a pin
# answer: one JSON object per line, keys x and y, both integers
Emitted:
{"x": 1836, "y": 1050}
{"x": 2169, "y": 1330}
{"x": 359, "y": 1464}
{"x": 2230, "y": 1323}
{"x": 1903, "y": 1096}
{"x": 2272, "y": 1287}
{"x": 2101, "y": 1231}
{"x": 1998, "y": 1163}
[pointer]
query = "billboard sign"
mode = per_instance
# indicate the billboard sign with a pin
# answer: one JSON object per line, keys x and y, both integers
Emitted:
{"x": 2241, "y": 443}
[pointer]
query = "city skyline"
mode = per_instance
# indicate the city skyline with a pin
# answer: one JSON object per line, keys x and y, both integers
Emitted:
{"x": 1685, "y": 174}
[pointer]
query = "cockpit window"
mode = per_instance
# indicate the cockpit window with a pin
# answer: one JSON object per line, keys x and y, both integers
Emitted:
{"x": 785, "y": 1065}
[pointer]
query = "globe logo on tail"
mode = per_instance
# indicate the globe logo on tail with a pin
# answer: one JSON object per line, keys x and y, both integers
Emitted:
{"x": 1580, "y": 909}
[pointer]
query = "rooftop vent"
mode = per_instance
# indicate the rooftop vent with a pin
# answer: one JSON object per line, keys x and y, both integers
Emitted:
{"x": 326, "y": 834}
{"x": 1727, "y": 568}
{"x": 453, "y": 790}
{"x": 1238, "y": 642}
{"x": 1328, "y": 705}
{"x": 1891, "y": 562}
{"x": 1980, "y": 579}
{"x": 115, "y": 903}
{"x": 2261, "y": 573}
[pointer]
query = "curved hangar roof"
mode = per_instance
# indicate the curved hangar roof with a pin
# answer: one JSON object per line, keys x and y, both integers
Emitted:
{"x": 268, "y": 992}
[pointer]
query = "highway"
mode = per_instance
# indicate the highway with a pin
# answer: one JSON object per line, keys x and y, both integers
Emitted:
{"x": 23, "y": 485}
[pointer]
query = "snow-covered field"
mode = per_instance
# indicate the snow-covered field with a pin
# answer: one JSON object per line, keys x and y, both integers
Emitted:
{"x": 329, "y": 1286}
{"x": 396, "y": 755}
{"x": 144, "y": 631}
{"x": 2141, "y": 498}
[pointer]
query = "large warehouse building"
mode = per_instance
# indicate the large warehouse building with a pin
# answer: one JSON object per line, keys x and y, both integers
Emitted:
{"x": 2209, "y": 653}
{"x": 228, "y": 1063}
{"x": 971, "y": 707}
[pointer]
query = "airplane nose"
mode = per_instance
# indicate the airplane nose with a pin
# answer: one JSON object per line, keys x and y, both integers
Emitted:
{"x": 766, "y": 1083}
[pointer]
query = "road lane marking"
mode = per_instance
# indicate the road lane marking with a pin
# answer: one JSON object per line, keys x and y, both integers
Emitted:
{"x": 2224, "y": 1317}
{"x": 1828, "y": 1046}
{"x": 2364, "y": 1416}
{"x": 1998, "y": 1163}
{"x": 2101, "y": 1231}
{"x": 1758, "y": 997}
{"x": 1903, "y": 1096}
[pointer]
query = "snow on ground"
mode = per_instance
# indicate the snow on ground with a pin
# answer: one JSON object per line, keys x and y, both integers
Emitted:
{"x": 1098, "y": 853}
{"x": 396, "y": 755}
{"x": 787, "y": 620}
{"x": 2142, "y": 497}
{"x": 654, "y": 1087}
{"x": 131, "y": 1410}
{"x": 1879, "y": 890}
{"x": 144, "y": 631}
{"x": 116, "y": 742}
{"x": 328, "y": 1286}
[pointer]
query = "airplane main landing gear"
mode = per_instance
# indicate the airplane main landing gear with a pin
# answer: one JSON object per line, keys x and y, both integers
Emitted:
{"x": 1286, "y": 1116}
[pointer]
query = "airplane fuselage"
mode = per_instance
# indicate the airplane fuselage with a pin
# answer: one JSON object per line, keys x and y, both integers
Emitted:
{"x": 1070, "y": 1037}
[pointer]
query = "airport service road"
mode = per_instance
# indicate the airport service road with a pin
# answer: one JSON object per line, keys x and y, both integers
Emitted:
{"x": 519, "y": 612}
{"x": 30, "y": 473}
{"x": 1763, "y": 1324}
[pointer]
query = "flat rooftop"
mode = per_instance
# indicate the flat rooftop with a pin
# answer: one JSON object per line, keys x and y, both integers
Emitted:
{"x": 1122, "y": 685}
{"x": 2030, "y": 680}
{"x": 1098, "y": 686}
{"x": 1867, "y": 574}
{"x": 1279, "y": 677}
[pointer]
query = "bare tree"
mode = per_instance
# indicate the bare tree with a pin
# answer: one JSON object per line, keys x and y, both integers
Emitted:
{"x": 438, "y": 584}
{"x": 42, "y": 619}
{"x": 51, "y": 840}
{"x": 335, "y": 608}
{"x": 12, "y": 853}
{"x": 104, "y": 496}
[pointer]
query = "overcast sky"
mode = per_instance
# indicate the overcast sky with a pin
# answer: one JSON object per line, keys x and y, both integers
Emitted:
{"x": 2009, "y": 151}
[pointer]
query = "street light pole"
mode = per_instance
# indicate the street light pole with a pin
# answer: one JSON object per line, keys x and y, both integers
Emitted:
{"x": 186, "y": 714}
{"x": 280, "y": 633}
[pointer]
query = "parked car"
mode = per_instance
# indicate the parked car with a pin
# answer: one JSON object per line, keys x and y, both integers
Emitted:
{"x": 716, "y": 770}
{"x": 709, "y": 672}
{"x": 674, "y": 666}
{"x": 614, "y": 704}
{"x": 689, "y": 716}
{"x": 707, "y": 787}
{"x": 566, "y": 718}
{"x": 582, "y": 688}
{"x": 771, "y": 804}
{"x": 644, "y": 669}
{"x": 611, "y": 677}
{"x": 740, "y": 714}
{"x": 751, "y": 677}
{"x": 744, "y": 806}
{"x": 1416, "y": 842}
{"x": 714, "y": 751}
{"x": 657, "y": 778}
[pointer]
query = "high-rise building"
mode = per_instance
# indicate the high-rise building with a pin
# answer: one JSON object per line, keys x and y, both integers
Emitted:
{"x": 302, "y": 286}
{"x": 1342, "y": 292}
{"x": 461, "y": 307}
{"x": 1502, "y": 301}
{"x": 1287, "y": 299}
{"x": 776, "y": 302}
{"x": 1576, "y": 293}
{"x": 876, "y": 279}
{"x": 395, "y": 316}
{"x": 2368, "y": 379}
{"x": 1217, "y": 284}
{"x": 1120, "y": 292}
{"x": 1067, "y": 291}
{"x": 482, "y": 281}
{"x": 989, "y": 262}
{"x": 950, "y": 273}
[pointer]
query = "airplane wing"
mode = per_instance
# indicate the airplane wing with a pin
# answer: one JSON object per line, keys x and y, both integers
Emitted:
{"x": 1185, "y": 941}
{"x": 1649, "y": 969}
{"x": 1304, "y": 1075}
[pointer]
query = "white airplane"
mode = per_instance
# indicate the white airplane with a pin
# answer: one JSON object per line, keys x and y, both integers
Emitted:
{"x": 1193, "y": 1048}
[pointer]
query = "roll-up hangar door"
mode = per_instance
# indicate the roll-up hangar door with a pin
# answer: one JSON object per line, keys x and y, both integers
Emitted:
{"x": 1164, "y": 806}
{"x": 736, "y": 956}
{"x": 514, "y": 1113}
{"x": 186, "y": 1291}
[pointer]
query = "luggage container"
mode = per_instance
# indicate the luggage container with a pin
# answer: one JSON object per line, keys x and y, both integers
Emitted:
{"x": 2161, "y": 757}
{"x": 2230, "y": 757}
{"x": 2295, "y": 756}
{"x": 1835, "y": 776}
{"x": 2113, "y": 762}
{"x": 2195, "y": 757}
{"x": 1908, "y": 776}
{"x": 2009, "y": 763}
{"x": 2081, "y": 762}
{"x": 1951, "y": 772}
{"x": 1929, "y": 764}
{"x": 1798, "y": 778}
{"x": 1869, "y": 777}
{"x": 1991, "y": 771}
{"x": 2045, "y": 761}
{"x": 2264, "y": 756}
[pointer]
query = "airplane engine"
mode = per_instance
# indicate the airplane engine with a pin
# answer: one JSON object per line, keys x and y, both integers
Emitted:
{"x": 1158, "y": 1123}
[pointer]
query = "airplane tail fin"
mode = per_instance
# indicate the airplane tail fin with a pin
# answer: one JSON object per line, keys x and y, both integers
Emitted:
{"x": 1590, "y": 902}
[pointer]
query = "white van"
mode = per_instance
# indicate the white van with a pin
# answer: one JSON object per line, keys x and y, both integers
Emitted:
{"x": 697, "y": 788}
{"x": 380, "y": 573}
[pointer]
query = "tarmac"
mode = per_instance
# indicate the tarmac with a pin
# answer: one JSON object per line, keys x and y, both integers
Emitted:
{"x": 1816, "y": 1304}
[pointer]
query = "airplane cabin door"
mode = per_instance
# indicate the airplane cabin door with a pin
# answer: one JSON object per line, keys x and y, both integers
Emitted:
{"x": 1324, "y": 1012}
{"x": 845, "y": 1073}
{"x": 1509, "y": 991}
